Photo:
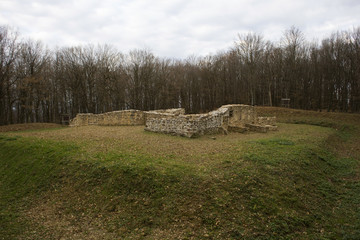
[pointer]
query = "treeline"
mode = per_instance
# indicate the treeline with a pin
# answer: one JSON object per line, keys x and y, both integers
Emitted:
{"x": 39, "y": 85}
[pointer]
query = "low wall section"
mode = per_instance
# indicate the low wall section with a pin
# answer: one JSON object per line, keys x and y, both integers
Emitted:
{"x": 235, "y": 117}
{"x": 190, "y": 125}
{"x": 116, "y": 118}
{"x": 240, "y": 114}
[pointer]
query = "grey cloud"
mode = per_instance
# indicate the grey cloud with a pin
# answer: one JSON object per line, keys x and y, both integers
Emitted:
{"x": 175, "y": 28}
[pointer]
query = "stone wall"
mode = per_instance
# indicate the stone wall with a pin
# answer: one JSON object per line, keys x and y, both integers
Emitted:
{"x": 191, "y": 125}
{"x": 267, "y": 120}
{"x": 81, "y": 119}
{"x": 175, "y": 111}
{"x": 116, "y": 118}
{"x": 240, "y": 114}
{"x": 234, "y": 117}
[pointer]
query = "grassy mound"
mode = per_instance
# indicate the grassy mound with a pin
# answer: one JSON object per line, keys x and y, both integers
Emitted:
{"x": 301, "y": 182}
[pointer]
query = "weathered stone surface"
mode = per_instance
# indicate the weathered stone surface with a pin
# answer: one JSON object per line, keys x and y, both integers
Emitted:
{"x": 116, "y": 118}
{"x": 256, "y": 128}
{"x": 234, "y": 117}
{"x": 175, "y": 111}
{"x": 237, "y": 129}
{"x": 191, "y": 125}
{"x": 271, "y": 127}
{"x": 267, "y": 120}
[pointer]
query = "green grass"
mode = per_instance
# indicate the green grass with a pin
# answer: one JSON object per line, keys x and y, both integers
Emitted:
{"x": 289, "y": 184}
{"x": 28, "y": 168}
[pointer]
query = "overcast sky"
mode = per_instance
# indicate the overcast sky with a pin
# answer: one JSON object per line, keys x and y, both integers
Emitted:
{"x": 173, "y": 28}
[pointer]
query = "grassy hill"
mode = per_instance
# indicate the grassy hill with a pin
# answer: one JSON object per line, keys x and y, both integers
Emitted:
{"x": 301, "y": 182}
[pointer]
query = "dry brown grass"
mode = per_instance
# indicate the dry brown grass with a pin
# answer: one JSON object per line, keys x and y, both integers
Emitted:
{"x": 199, "y": 152}
{"x": 324, "y": 118}
{"x": 51, "y": 221}
{"x": 133, "y": 139}
{"x": 288, "y": 114}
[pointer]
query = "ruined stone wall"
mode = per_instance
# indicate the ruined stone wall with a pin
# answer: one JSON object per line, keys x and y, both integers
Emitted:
{"x": 190, "y": 125}
{"x": 81, "y": 119}
{"x": 267, "y": 120}
{"x": 116, "y": 118}
{"x": 175, "y": 111}
{"x": 125, "y": 117}
{"x": 240, "y": 114}
{"x": 235, "y": 117}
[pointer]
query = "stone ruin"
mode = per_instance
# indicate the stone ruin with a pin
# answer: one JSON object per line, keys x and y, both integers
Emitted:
{"x": 115, "y": 118}
{"x": 228, "y": 118}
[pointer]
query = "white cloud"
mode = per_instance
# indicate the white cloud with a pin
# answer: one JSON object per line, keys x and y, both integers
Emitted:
{"x": 176, "y": 28}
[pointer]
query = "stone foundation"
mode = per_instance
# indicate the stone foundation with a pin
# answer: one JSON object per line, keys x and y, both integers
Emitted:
{"x": 235, "y": 117}
{"x": 228, "y": 118}
{"x": 191, "y": 125}
{"x": 116, "y": 118}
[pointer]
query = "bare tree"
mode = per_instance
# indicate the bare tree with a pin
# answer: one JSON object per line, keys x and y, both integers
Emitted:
{"x": 251, "y": 48}
{"x": 9, "y": 49}
{"x": 31, "y": 81}
{"x": 39, "y": 85}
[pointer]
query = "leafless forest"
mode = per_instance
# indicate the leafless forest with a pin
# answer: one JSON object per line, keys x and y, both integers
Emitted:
{"x": 38, "y": 84}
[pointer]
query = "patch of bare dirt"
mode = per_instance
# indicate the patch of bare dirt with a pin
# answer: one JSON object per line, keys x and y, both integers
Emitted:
{"x": 28, "y": 126}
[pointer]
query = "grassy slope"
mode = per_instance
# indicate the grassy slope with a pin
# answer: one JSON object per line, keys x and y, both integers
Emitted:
{"x": 301, "y": 182}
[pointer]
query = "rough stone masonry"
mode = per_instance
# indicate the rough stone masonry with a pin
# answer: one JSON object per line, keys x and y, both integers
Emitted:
{"x": 233, "y": 117}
